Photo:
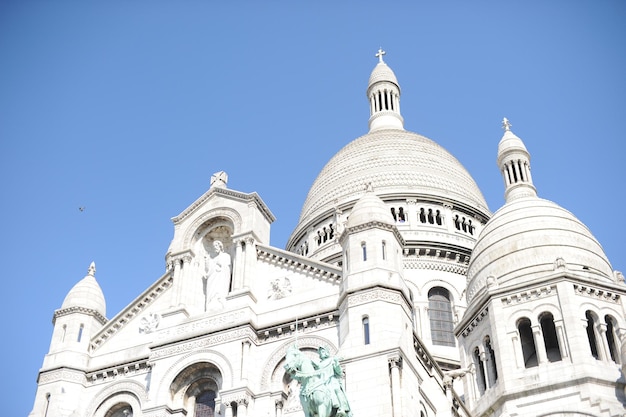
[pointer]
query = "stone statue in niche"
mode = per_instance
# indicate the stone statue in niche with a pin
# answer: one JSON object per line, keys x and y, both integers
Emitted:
{"x": 216, "y": 277}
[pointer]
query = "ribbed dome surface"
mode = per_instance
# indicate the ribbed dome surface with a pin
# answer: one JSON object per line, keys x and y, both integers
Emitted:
{"x": 382, "y": 72}
{"x": 393, "y": 161}
{"x": 523, "y": 241}
{"x": 369, "y": 208}
{"x": 86, "y": 294}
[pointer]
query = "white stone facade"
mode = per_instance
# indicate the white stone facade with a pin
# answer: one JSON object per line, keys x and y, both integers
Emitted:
{"x": 396, "y": 266}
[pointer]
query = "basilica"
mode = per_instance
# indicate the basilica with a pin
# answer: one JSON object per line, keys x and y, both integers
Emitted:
{"x": 422, "y": 301}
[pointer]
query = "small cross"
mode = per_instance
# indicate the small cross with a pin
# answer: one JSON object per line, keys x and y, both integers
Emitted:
{"x": 380, "y": 54}
{"x": 506, "y": 125}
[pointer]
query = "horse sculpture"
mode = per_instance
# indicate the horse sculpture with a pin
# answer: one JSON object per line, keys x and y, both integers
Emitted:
{"x": 315, "y": 395}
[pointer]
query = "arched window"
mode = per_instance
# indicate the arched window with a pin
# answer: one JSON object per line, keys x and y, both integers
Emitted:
{"x": 529, "y": 351}
{"x": 205, "y": 404}
{"x": 611, "y": 327}
{"x": 366, "y": 330}
{"x": 384, "y": 249}
{"x": 45, "y": 411}
{"x": 364, "y": 249}
{"x": 591, "y": 334}
{"x": 492, "y": 372}
{"x": 480, "y": 371}
{"x": 440, "y": 313}
{"x": 80, "y": 332}
{"x": 546, "y": 320}
{"x": 120, "y": 410}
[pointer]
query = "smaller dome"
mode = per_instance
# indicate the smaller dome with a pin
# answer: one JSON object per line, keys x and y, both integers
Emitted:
{"x": 86, "y": 294}
{"x": 382, "y": 72}
{"x": 369, "y": 208}
{"x": 530, "y": 238}
{"x": 510, "y": 143}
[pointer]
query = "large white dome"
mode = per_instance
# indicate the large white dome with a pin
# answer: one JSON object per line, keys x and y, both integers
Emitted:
{"x": 394, "y": 161}
{"x": 529, "y": 238}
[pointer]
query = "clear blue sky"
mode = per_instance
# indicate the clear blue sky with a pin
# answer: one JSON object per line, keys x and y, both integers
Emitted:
{"x": 128, "y": 107}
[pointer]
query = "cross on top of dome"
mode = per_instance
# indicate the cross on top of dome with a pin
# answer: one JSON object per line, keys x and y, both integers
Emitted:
{"x": 506, "y": 125}
{"x": 380, "y": 54}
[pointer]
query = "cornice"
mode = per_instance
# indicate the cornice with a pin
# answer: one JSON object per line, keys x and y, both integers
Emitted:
{"x": 82, "y": 310}
{"x": 132, "y": 310}
{"x": 62, "y": 374}
{"x": 250, "y": 198}
{"x": 290, "y": 260}
{"x": 372, "y": 225}
{"x": 197, "y": 343}
{"x": 122, "y": 370}
{"x": 473, "y": 323}
{"x": 596, "y": 293}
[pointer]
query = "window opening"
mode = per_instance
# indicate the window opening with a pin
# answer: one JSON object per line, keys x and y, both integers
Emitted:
{"x": 549, "y": 337}
{"x": 366, "y": 330}
{"x": 610, "y": 338}
{"x": 440, "y": 314}
{"x": 480, "y": 372}
{"x": 529, "y": 351}
{"x": 591, "y": 335}
{"x": 205, "y": 404}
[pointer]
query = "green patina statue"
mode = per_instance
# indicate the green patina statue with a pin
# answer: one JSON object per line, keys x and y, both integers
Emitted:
{"x": 321, "y": 389}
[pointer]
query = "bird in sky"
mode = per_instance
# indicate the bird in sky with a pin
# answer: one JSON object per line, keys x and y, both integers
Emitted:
{"x": 82, "y": 208}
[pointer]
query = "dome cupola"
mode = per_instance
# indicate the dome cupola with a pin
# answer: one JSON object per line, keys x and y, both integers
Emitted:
{"x": 529, "y": 237}
{"x": 86, "y": 294}
{"x": 383, "y": 93}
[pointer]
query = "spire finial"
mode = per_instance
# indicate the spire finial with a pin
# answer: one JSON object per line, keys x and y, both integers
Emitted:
{"x": 92, "y": 269}
{"x": 380, "y": 54}
{"x": 506, "y": 125}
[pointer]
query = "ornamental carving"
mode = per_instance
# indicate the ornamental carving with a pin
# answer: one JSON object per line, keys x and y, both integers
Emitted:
{"x": 532, "y": 294}
{"x": 596, "y": 293}
{"x": 203, "y": 342}
{"x": 474, "y": 323}
{"x": 62, "y": 374}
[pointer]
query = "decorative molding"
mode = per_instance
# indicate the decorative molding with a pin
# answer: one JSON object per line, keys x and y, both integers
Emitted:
{"x": 82, "y": 310}
{"x": 121, "y": 371}
{"x": 252, "y": 197}
{"x": 477, "y": 319}
{"x": 529, "y": 295}
{"x": 373, "y": 224}
{"x": 374, "y": 294}
{"x": 62, "y": 374}
{"x": 134, "y": 309}
{"x": 422, "y": 354}
{"x": 596, "y": 293}
{"x": 304, "y": 324}
{"x": 455, "y": 268}
{"x": 201, "y": 342}
{"x": 292, "y": 261}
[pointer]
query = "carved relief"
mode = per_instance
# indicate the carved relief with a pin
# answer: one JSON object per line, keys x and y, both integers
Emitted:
{"x": 149, "y": 323}
{"x": 279, "y": 288}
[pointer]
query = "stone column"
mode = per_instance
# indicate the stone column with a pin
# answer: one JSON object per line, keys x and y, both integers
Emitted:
{"x": 517, "y": 350}
{"x": 558, "y": 325}
{"x": 245, "y": 359}
{"x": 250, "y": 260}
{"x": 603, "y": 344}
{"x": 278, "y": 408}
{"x": 540, "y": 346}
{"x": 178, "y": 282}
{"x": 228, "y": 410}
{"x": 395, "y": 363}
{"x": 242, "y": 407}
{"x": 238, "y": 267}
